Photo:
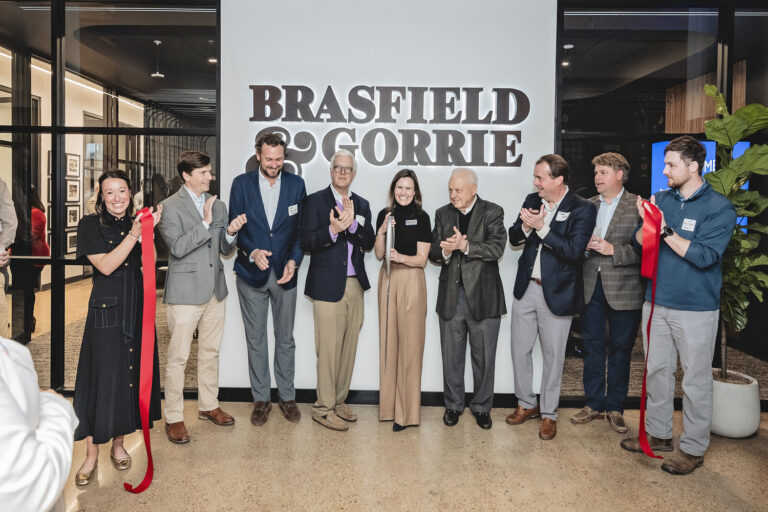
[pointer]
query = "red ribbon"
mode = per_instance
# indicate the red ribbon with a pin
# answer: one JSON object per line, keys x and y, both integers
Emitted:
{"x": 147, "y": 340}
{"x": 648, "y": 269}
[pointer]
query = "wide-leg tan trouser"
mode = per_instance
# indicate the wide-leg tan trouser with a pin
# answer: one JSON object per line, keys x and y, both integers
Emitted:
{"x": 400, "y": 369}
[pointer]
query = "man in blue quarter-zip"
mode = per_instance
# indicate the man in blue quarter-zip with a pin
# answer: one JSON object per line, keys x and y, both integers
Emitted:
{"x": 697, "y": 224}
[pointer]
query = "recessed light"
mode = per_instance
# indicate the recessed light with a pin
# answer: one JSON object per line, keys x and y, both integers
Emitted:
{"x": 566, "y": 63}
{"x": 213, "y": 60}
{"x": 568, "y": 46}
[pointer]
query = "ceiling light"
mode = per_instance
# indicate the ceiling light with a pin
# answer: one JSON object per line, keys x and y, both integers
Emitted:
{"x": 157, "y": 73}
{"x": 566, "y": 63}
{"x": 212, "y": 60}
{"x": 568, "y": 46}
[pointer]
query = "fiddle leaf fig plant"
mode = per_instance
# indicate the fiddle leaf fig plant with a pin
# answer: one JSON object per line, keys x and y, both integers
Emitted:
{"x": 743, "y": 278}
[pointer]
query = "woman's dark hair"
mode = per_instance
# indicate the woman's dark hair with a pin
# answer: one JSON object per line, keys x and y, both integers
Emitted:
{"x": 34, "y": 199}
{"x": 405, "y": 173}
{"x": 101, "y": 209}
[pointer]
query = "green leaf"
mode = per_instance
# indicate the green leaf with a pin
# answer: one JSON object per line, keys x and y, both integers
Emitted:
{"x": 754, "y": 160}
{"x": 748, "y": 203}
{"x": 726, "y": 131}
{"x": 762, "y": 277}
{"x": 754, "y": 226}
{"x": 755, "y": 115}
{"x": 722, "y": 180}
{"x": 711, "y": 91}
{"x": 758, "y": 260}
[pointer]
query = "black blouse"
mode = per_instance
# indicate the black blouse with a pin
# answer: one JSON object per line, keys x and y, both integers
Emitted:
{"x": 411, "y": 226}
{"x": 95, "y": 238}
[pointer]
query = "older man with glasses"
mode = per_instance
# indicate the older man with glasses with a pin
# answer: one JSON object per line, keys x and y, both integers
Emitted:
{"x": 336, "y": 232}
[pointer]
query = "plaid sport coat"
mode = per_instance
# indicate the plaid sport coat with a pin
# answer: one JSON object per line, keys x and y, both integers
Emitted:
{"x": 620, "y": 273}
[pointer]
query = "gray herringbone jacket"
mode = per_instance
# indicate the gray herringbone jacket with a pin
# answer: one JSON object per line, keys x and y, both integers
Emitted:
{"x": 620, "y": 273}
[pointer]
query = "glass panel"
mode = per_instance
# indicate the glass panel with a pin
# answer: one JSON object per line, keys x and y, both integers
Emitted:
{"x": 639, "y": 71}
{"x": 25, "y": 306}
{"x": 25, "y": 38}
{"x": 155, "y": 62}
{"x": 750, "y": 72}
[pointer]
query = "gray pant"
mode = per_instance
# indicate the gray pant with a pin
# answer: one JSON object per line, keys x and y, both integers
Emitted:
{"x": 254, "y": 304}
{"x": 531, "y": 316}
{"x": 691, "y": 335}
{"x": 483, "y": 335}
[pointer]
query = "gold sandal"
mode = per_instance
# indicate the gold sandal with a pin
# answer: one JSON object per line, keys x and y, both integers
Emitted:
{"x": 82, "y": 479}
{"x": 120, "y": 464}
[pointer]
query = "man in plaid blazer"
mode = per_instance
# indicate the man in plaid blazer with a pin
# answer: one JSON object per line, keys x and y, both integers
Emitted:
{"x": 613, "y": 292}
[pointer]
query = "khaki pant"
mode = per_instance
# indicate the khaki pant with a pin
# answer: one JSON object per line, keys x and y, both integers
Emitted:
{"x": 401, "y": 349}
{"x": 208, "y": 318}
{"x": 337, "y": 326}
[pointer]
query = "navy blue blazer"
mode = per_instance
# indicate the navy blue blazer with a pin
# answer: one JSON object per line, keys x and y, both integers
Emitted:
{"x": 282, "y": 240}
{"x": 327, "y": 275}
{"x": 562, "y": 253}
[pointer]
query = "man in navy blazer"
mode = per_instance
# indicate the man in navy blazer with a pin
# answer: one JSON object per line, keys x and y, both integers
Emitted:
{"x": 269, "y": 252}
{"x": 555, "y": 224}
{"x": 336, "y": 232}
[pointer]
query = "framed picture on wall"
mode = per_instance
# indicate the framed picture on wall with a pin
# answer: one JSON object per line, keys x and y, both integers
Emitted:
{"x": 73, "y": 166}
{"x": 73, "y": 215}
{"x": 71, "y": 241}
{"x": 73, "y": 191}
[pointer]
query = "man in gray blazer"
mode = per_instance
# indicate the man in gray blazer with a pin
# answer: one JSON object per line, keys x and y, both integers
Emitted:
{"x": 195, "y": 226}
{"x": 467, "y": 241}
{"x": 613, "y": 294}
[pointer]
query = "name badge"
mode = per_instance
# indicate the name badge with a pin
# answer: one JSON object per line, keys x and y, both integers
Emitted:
{"x": 293, "y": 209}
{"x": 411, "y": 222}
{"x": 360, "y": 220}
{"x": 688, "y": 224}
{"x": 561, "y": 216}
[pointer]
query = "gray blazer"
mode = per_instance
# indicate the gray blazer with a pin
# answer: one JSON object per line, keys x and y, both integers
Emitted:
{"x": 479, "y": 270}
{"x": 620, "y": 273}
{"x": 195, "y": 270}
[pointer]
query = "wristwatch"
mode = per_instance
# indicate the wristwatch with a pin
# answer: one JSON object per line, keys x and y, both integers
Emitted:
{"x": 667, "y": 231}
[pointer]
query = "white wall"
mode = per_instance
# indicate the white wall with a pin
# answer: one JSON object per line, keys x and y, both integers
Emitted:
{"x": 343, "y": 43}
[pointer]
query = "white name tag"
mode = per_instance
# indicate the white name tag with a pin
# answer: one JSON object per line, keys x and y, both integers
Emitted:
{"x": 561, "y": 216}
{"x": 360, "y": 220}
{"x": 411, "y": 222}
{"x": 293, "y": 209}
{"x": 688, "y": 224}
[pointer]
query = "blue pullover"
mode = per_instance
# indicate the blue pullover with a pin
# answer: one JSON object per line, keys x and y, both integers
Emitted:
{"x": 692, "y": 282}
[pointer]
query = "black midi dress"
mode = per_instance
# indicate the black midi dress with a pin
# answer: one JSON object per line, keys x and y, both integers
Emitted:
{"x": 107, "y": 385}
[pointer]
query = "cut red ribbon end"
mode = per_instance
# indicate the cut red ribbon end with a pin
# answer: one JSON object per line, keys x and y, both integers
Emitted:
{"x": 648, "y": 269}
{"x": 147, "y": 341}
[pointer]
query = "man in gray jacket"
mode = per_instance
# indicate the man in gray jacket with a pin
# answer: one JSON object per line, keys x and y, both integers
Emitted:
{"x": 195, "y": 227}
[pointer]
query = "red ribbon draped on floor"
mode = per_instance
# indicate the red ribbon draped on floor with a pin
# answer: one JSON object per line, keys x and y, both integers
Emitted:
{"x": 147, "y": 341}
{"x": 648, "y": 269}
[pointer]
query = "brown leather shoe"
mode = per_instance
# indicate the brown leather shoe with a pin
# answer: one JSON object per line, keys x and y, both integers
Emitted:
{"x": 260, "y": 413}
{"x": 682, "y": 463}
{"x": 616, "y": 422}
{"x": 344, "y": 412}
{"x": 177, "y": 432}
{"x": 632, "y": 444}
{"x": 548, "y": 429}
{"x": 217, "y": 416}
{"x": 290, "y": 410}
{"x": 520, "y": 415}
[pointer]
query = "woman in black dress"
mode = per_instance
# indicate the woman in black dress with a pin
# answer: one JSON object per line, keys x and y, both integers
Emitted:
{"x": 107, "y": 387}
{"x": 401, "y": 344}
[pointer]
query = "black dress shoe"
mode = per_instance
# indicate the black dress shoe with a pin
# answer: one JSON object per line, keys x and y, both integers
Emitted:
{"x": 396, "y": 427}
{"x": 483, "y": 420}
{"x": 451, "y": 417}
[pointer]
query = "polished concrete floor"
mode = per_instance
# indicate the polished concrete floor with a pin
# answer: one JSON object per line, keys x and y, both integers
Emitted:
{"x": 286, "y": 466}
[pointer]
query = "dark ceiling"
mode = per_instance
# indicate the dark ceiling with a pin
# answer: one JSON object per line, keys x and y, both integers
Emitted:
{"x": 114, "y": 45}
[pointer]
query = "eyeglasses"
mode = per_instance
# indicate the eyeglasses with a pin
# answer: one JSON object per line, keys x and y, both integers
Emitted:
{"x": 340, "y": 169}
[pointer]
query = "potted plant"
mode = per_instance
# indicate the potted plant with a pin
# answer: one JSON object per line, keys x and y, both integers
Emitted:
{"x": 736, "y": 398}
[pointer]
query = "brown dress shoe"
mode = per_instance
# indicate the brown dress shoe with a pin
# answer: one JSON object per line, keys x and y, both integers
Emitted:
{"x": 344, "y": 412}
{"x": 682, "y": 463}
{"x": 177, "y": 432}
{"x": 217, "y": 416}
{"x": 260, "y": 413}
{"x": 331, "y": 421}
{"x": 548, "y": 429}
{"x": 520, "y": 415}
{"x": 290, "y": 410}
{"x": 632, "y": 444}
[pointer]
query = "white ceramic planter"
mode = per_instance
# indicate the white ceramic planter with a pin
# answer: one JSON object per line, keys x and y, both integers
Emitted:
{"x": 736, "y": 407}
